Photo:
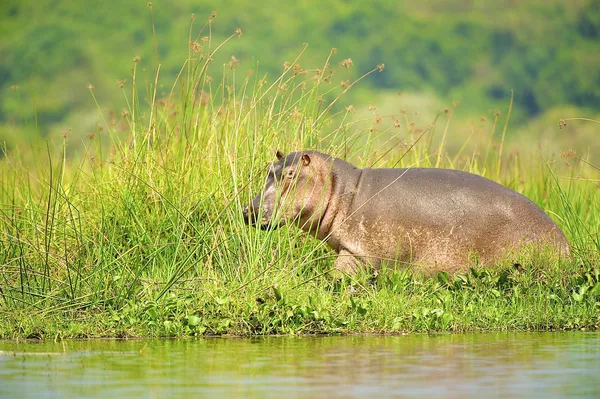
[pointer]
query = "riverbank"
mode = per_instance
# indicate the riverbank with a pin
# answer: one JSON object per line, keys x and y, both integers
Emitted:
{"x": 392, "y": 303}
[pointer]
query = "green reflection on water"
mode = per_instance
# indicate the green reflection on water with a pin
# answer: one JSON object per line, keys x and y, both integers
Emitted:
{"x": 470, "y": 365}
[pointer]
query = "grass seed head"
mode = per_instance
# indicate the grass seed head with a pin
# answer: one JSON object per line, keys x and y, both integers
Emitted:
{"x": 568, "y": 154}
{"x": 195, "y": 46}
{"x": 562, "y": 123}
{"x": 298, "y": 70}
{"x": 347, "y": 63}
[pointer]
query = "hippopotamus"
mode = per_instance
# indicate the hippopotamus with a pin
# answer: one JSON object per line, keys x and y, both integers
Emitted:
{"x": 430, "y": 218}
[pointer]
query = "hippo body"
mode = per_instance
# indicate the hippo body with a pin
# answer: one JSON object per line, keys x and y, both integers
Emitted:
{"x": 433, "y": 219}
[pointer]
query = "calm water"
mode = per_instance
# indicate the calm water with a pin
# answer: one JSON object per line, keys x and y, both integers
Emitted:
{"x": 546, "y": 365}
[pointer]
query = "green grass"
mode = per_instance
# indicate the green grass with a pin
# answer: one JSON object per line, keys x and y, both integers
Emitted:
{"x": 141, "y": 234}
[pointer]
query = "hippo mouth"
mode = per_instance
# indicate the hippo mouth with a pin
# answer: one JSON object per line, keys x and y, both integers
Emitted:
{"x": 265, "y": 225}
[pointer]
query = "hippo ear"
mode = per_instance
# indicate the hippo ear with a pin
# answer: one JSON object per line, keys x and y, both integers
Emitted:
{"x": 279, "y": 155}
{"x": 305, "y": 159}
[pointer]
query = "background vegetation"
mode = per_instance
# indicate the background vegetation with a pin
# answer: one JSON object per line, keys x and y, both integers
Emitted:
{"x": 435, "y": 52}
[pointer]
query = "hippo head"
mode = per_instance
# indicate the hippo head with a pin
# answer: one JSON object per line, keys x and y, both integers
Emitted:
{"x": 295, "y": 191}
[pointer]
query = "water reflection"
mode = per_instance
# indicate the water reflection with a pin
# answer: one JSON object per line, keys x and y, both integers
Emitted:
{"x": 449, "y": 366}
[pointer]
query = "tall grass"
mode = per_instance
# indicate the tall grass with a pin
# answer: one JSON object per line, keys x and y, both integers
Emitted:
{"x": 142, "y": 234}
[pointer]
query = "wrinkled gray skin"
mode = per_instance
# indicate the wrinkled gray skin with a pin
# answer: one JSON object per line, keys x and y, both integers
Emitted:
{"x": 431, "y": 218}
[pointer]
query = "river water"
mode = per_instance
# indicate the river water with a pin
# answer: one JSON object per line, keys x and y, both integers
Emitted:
{"x": 515, "y": 365}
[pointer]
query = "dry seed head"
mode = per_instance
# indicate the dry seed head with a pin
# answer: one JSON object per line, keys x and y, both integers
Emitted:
{"x": 121, "y": 83}
{"x": 321, "y": 100}
{"x": 380, "y": 67}
{"x": 483, "y": 118}
{"x": 233, "y": 62}
{"x": 396, "y": 123}
{"x": 14, "y": 87}
{"x": 455, "y": 102}
{"x": 193, "y": 18}
{"x": 208, "y": 79}
{"x": 333, "y": 50}
{"x": 204, "y": 39}
{"x": 282, "y": 87}
{"x": 377, "y": 119}
{"x": 350, "y": 109}
{"x": 345, "y": 83}
{"x": 150, "y": 4}
{"x": 195, "y": 46}
{"x": 403, "y": 111}
{"x": 568, "y": 154}
{"x": 286, "y": 65}
{"x": 125, "y": 113}
{"x": 298, "y": 69}
{"x": 238, "y": 32}
{"x": 372, "y": 107}
{"x": 347, "y": 63}
{"x": 497, "y": 114}
{"x": 91, "y": 136}
{"x": 90, "y": 86}
{"x": 137, "y": 58}
{"x": 562, "y": 123}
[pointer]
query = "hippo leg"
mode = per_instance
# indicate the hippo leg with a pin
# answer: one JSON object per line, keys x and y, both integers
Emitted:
{"x": 346, "y": 263}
